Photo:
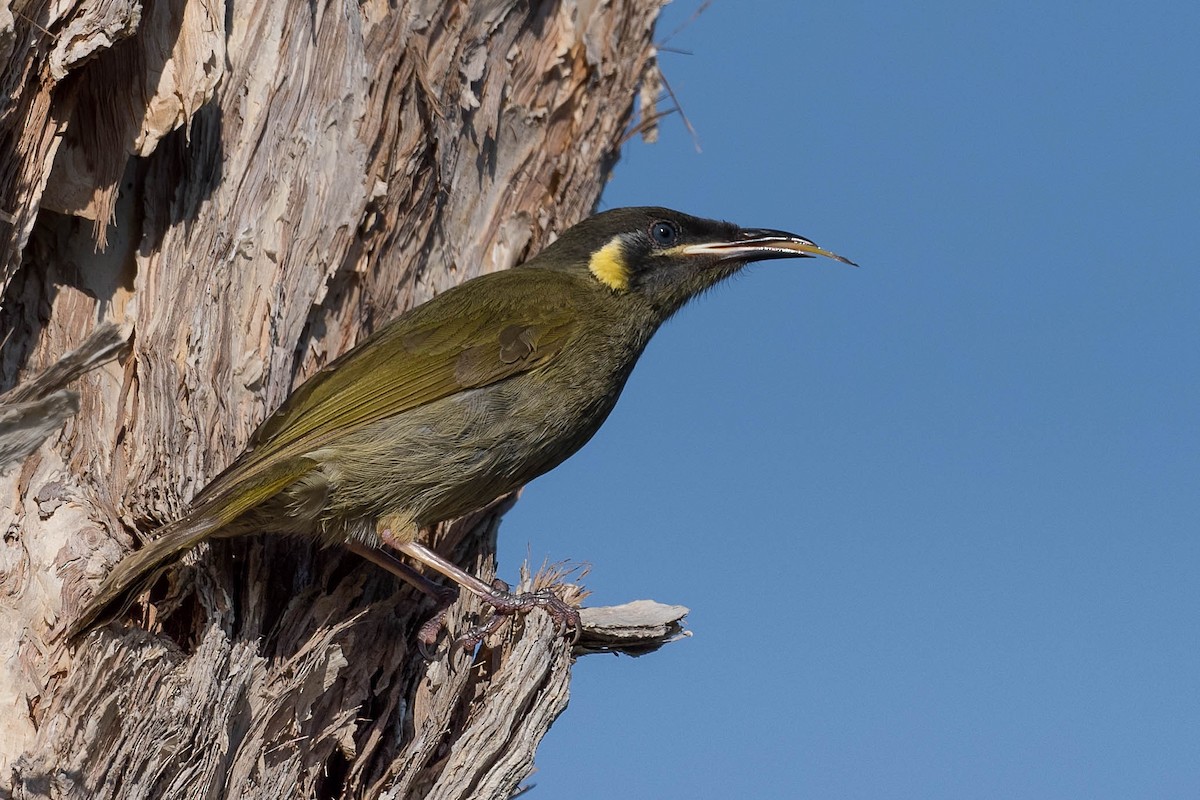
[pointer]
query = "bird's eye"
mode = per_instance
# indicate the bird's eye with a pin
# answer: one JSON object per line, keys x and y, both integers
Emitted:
{"x": 663, "y": 233}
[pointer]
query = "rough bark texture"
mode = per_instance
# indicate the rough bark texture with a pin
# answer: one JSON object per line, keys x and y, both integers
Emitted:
{"x": 269, "y": 182}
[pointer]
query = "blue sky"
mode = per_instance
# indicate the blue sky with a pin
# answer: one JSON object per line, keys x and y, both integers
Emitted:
{"x": 936, "y": 518}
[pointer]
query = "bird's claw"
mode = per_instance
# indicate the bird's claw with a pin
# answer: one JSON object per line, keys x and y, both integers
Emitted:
{"x": 428, "y": 634}
{"x": 505, "y": 603}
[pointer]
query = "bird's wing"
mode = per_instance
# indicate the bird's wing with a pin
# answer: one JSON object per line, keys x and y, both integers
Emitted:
{"x": 479, "y": 333}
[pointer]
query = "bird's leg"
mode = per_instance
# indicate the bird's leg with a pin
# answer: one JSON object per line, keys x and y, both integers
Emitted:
{"x": 443, "y": 596}
{"x": 503, "y": 601}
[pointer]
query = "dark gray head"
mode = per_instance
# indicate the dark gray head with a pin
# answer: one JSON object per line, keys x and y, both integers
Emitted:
{"x": 664, "y": 256}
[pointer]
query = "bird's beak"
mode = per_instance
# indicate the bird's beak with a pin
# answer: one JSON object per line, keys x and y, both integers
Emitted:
{"x": 759, "y": 244}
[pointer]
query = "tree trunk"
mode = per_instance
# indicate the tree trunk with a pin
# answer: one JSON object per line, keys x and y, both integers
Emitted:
{"x": 268, "y": 182}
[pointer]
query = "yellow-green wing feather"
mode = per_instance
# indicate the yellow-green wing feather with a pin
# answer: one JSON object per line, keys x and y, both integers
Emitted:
{"x": 479, "y": 333}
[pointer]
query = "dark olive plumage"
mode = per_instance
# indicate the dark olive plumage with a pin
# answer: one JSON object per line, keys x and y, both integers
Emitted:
{"x": 466, "y": 397}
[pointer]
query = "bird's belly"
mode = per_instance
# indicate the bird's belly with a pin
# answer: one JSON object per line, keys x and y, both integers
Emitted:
{"x": 457, "y": 454}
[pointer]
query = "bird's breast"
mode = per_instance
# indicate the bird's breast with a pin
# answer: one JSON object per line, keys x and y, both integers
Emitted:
{"x": 456, "y": 454}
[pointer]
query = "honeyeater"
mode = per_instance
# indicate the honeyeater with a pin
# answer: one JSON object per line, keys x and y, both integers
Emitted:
{"x": 461, "y": 400}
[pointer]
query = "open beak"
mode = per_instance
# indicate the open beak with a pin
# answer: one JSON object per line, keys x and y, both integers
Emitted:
{"x": 759, "y": 244}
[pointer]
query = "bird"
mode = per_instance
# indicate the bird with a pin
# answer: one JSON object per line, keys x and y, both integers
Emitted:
{"x": 460, "y": 401}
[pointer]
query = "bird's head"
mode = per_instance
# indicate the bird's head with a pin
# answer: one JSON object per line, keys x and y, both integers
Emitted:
{"x": 666, "y": 257}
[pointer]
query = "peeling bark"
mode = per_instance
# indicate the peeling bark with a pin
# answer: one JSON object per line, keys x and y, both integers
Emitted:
{"x": 250, "y": 189}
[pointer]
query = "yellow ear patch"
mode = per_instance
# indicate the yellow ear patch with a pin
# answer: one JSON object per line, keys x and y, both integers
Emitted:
{"x": 609, "y": 267}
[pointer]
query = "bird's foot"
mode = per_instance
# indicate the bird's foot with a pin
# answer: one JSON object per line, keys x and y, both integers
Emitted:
{"x": 427, "y": 636}
{"x": 505, "y": 603}
{"x": 496, "y": 594}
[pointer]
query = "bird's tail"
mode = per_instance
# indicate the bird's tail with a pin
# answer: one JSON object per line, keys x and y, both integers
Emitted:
{"x": 141, "y": 568}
